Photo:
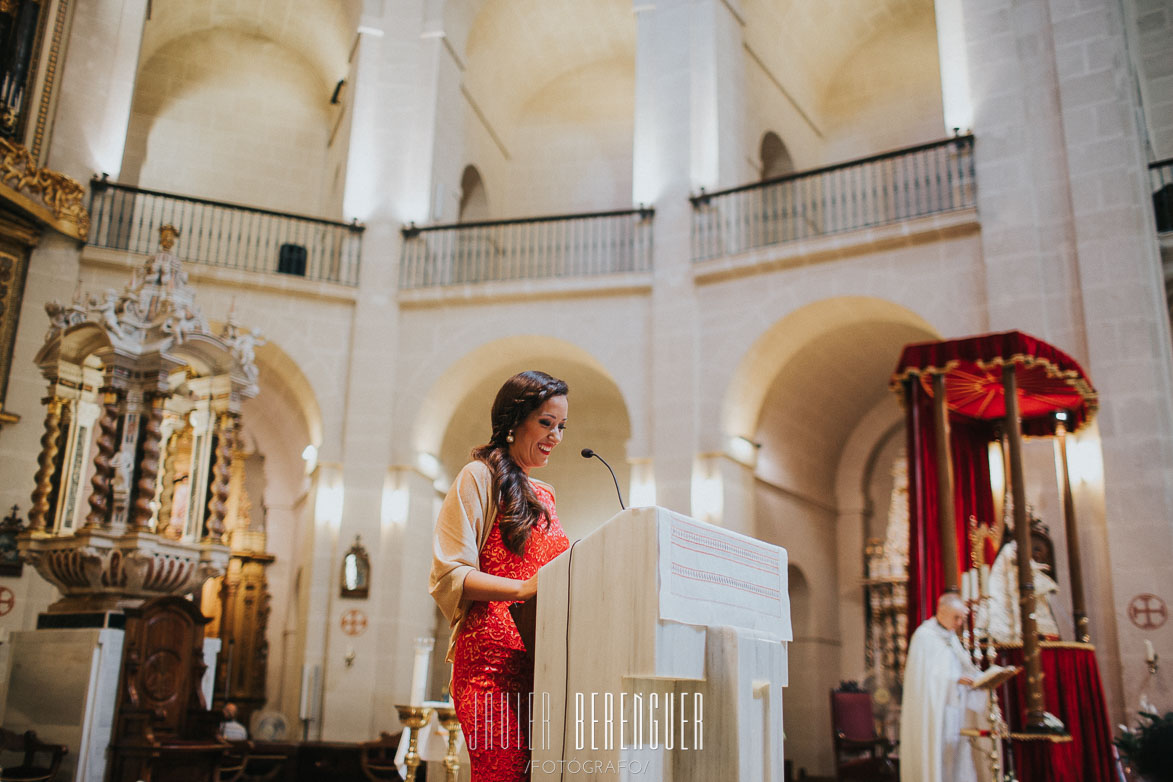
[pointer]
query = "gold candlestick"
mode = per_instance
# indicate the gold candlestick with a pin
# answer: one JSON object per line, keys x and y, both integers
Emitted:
{"x": 450, "y": 723}
{"x": 413, "y": 718}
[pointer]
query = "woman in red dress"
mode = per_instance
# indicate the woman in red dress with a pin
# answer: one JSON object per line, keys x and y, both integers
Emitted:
{"x": 496, "y": 528}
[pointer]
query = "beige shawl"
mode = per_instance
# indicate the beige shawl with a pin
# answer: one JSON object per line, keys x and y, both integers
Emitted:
{"x": 465, "y": 520}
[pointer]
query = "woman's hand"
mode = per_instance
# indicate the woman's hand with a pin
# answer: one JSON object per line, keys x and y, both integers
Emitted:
{"x": 529, "y": 588}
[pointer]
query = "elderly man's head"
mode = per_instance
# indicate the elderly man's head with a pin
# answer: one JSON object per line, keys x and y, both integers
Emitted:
{"x": 951, "y": 611}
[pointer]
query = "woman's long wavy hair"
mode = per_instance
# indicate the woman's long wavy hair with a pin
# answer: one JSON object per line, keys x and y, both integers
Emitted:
{"x": 518, "y": 507}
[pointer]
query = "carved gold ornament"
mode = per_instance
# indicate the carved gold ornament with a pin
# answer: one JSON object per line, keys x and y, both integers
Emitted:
{"x": 49, "y": 196}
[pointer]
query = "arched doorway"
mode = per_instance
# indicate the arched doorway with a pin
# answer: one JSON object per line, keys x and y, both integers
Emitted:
{"x": 774, "y": 157}
{"x": 801, "y": 393}
{"x": 267, "y": 503}
{"x": 455, "y": 418}
{"x": 474, "y": 202}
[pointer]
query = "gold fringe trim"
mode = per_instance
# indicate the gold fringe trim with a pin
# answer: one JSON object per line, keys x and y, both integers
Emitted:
{"x": 1050, "y": 645}
{"x": 1077, "y": 381}
{"x": 1054, "y": 739}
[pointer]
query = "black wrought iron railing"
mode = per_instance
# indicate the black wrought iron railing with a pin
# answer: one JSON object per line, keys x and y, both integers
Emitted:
{"x": 1161, "y": 185}
{"x": 223, "y": 234}
{"x": 572, "y": 245}
{"x": 899, "y": 185}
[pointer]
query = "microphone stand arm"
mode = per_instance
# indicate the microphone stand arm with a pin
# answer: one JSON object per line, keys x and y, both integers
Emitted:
{"x": 613, "y": 478}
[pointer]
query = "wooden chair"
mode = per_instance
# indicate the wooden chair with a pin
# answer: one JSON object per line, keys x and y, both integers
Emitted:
{"x": 378, "y": 758}
{"x": 267, "y": 761}
{"x": 859, "y": 752}
{"x": 30, "y": 770}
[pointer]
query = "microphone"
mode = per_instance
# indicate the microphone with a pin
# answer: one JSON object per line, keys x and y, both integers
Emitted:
{"x": 587, "y": 453}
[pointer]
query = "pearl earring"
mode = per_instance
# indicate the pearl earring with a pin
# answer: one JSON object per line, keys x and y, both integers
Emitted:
{"x": 509, "y": 437}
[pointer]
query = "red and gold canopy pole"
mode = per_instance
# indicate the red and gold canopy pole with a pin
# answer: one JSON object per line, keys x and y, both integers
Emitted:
{"x": 1036, "y": 712}
{"x": 1074, "y": 563}
{"x": 947, "y": 518}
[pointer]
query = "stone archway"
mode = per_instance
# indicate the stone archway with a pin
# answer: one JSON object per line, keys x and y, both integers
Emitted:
{"x": 800, "y": 394}
{"x": 280, "y": 423}
{"x": 455, "y": 415}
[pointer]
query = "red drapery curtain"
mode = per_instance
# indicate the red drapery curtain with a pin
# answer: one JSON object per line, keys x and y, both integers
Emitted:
{"x": 1074, "y": 694}
{"x": 1049, "y": 383}
{"x": 969, "y": 442}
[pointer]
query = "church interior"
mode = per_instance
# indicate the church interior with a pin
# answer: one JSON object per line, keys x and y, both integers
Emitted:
{"x": 264, "y": 264}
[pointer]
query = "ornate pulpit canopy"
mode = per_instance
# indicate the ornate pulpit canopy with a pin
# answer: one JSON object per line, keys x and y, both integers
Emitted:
{"x": 142, "y": 414}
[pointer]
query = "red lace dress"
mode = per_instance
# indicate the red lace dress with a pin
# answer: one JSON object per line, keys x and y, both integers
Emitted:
{"x": 492, "y": 678}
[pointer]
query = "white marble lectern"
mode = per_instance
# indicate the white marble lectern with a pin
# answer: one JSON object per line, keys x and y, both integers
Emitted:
{"x": 676, "y": 659}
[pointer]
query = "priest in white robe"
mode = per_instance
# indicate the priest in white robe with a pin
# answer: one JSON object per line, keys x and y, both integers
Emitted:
{"x": 938, "y": 702}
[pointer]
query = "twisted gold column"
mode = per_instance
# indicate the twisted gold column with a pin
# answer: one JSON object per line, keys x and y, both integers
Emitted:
{"x": 104, "y": 462}
{"x": 221, "y": 476}
{"x": 148, "y": 468}
{"x": 167, "y": 496}
{"x": 46, "y": 465}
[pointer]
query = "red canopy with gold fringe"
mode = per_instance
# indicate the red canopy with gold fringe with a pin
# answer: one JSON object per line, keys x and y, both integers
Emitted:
{"x": 1049, "y": 380}
{"x": 1050, "y": 384}
{"x": 1052, "y": 390}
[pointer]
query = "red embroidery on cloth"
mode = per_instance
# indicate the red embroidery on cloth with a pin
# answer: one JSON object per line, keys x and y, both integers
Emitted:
{"x": 491, "y": 677}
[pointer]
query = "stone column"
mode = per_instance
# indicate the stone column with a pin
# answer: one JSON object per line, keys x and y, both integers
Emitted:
{"x": 1032, "y": 273}
{"x": 95, "y": 78}
{"x": 956, "y": 102}
{"x": 737, "y": 494}
{"x": 388, "y": 179}
{"x": 1127, "y": 326}
{"x": 1072, "y": 257}
{"x": 687, "y": 100}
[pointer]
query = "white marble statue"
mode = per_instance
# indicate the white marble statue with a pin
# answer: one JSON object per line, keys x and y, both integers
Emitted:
{"x": 999, "y": 615}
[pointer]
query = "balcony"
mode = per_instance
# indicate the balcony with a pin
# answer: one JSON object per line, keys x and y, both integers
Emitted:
{"x": 883, "y": 189}
{"x": 225, "y": 235}
{"x": 558, "y": 246}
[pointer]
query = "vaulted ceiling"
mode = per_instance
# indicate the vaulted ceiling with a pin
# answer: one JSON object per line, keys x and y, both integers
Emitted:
{"x": 320, "y": 31}
{"x": 515, "y": 50}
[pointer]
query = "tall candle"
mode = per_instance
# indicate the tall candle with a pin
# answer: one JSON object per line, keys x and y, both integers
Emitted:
{"x": 419, "y": 673}
{"x": 985, "y": 581}
{"x": 1150, "y": 654}
{"x": 965, "y": 586}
